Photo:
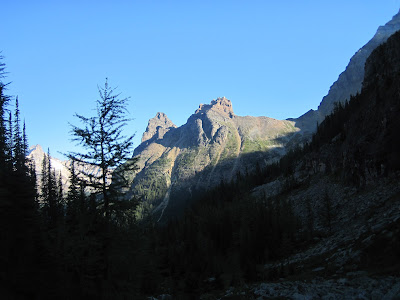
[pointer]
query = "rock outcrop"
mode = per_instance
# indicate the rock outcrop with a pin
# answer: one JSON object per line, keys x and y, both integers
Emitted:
{"x": 36, "y": 155}
{"x": 157, "y": 126}
{"x": 349, "y": 81}
{"x": 60, "y": 167}
{"x": 214, "y": 145}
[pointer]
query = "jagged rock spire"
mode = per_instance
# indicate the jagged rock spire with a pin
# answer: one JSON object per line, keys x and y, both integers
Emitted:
{"x": 220, "y": 105}
{"x": 157, "y": 125}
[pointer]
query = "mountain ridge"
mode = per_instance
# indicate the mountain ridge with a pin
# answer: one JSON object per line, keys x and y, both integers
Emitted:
{"x": 349, "y": 81}
{"x": 172, "y": 157}
{"x": 213, "y": 145}
{"x": 60, "y": 167}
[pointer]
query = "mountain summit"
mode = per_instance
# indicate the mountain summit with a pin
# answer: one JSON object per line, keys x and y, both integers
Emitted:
{"x": 213, "y": 145}
{"x": 158, "y": 125}
{"x": 221, "y": 106}
{"x": 216, "y": 145}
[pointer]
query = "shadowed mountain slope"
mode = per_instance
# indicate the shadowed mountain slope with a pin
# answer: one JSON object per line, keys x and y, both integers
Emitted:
{"x": 214, "y": 145}
{"x": 349, "y": 81}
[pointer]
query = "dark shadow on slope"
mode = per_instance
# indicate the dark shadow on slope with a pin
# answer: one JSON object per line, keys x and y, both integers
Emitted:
{"x": 227, "y": 170}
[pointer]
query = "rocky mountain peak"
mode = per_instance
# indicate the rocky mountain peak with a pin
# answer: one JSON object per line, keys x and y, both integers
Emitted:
{"x": 389, "y": 26}
{"x": 158, "y": 125}
{"x": 349, "y": 81}
{"x": 36, "y": 150}
{"x": 219, "y": 105}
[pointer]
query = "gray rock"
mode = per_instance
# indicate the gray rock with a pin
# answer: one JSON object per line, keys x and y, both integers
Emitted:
{"x": 350, "y": 81}
{"x": 393, "y": 293}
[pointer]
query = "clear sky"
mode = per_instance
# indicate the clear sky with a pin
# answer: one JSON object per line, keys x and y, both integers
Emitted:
{"x": 271, "y": 58}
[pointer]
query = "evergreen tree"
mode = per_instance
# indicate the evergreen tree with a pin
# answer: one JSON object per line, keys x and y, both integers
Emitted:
{"x": 72, "y": 200}
{"x": 44, "y": 183}
{"x": 107, "y": 149}
{"x": 110, "y": 213}
{"x": 18, "y": 151}
{"x": 49, "y": 197}
{"x": 10, "y": 138}
{"x": 60, "y": 192}
{"x": 3, "y": 121}
{"x": 19, "y": 226}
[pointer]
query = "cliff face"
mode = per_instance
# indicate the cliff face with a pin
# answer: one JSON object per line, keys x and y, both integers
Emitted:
{"x": 349, "y": 81}
{"x": 214, "y": 145}
{"x": 158, "y": 125}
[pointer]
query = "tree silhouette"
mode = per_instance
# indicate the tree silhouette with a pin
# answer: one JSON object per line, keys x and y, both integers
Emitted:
{"x": 110, "y": 211}
{"x": 107, "y": 149}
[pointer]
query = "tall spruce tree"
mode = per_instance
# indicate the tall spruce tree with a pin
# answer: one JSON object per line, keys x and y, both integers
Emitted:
{"x": 3, "y": 119}
{"x": 110, "y": 213}
{"x": 21, "y": 251}
{"x": 49, "y": 197}
{"x": 108, "y": 149}
{"x": 72, "y": 199}
{"x": 19, "y": 141}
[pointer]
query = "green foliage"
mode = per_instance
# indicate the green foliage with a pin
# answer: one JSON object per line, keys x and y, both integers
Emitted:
{"x": 20, "y": 232}
{"x": 154, "y": 184}
{"x": 231, "y": 147}
{"x": 250, "y": 146}
{"x": 186, "y": 159}
{"x": 107, "y": 149}
{"x": 50, "y": 195}
{"x": 100, "y": 225}
{"x": 49, "y": 253}
{"x": 228, "y": 235}
{"x": 91, "y": 247}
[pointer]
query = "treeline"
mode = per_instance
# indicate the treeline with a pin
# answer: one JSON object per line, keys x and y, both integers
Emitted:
{"x": 21, "y": 248}
{"x": 85, "y": 241}
{"x": 224, "y": 239}
{"x": 226, "y": 236}
{"x": 75, "y": 242}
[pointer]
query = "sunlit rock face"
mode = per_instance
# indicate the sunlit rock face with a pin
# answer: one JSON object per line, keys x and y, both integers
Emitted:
{"x": 158, "y": 125}
{"x": 61, "y": 168}
{"x": 214, "y": 145}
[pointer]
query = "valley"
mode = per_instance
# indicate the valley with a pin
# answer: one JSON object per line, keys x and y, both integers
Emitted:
{"x": 221, "y": 207}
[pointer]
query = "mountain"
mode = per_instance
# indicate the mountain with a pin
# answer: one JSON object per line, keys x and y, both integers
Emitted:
{"x": 325, "y": 223}
{"x": 214, "y": 145}
{"x": 60, "y": 167}
{"x": 349, "y": 81}
{"x": 346, "y": 185}
{"x": 36, "y": 155}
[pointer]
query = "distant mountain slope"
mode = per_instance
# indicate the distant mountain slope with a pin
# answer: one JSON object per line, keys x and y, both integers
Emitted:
{"x": 354, "y": 162}
{"x": 36, "y": 154}
{"x": 60, "y": 167}
{"x": 340, "y": 194}
{"x": 349, "y": 81}
{"x": 214, "y": 145}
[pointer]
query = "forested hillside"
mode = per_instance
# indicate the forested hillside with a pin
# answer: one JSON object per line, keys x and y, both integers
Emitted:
{"x": 322, "y": 220}
{"x": 287, "y": 220}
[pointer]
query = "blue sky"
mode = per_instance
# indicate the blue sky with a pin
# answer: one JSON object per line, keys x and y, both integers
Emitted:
{"x": 271, "y": 58}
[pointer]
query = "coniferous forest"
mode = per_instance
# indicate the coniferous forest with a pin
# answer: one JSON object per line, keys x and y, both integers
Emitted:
{"x": 87, "y": 242}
